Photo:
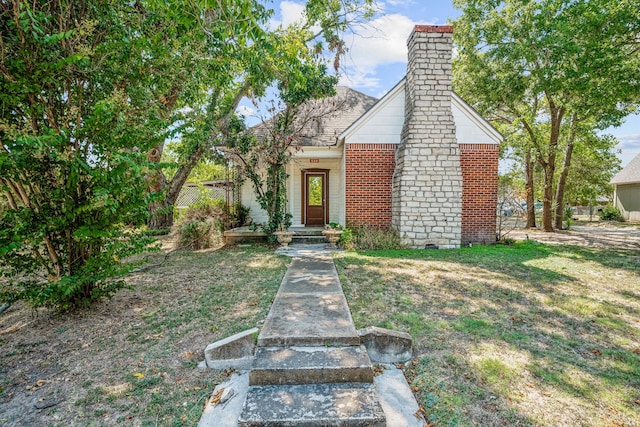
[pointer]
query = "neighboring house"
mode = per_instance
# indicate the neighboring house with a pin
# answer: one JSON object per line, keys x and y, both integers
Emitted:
{"x": 420, "y": 159}
{"x": 626, "y": 196}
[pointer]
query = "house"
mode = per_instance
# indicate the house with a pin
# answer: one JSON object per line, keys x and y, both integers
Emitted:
{"x": 419, "y": 159}
{"x": 627, "y": 190}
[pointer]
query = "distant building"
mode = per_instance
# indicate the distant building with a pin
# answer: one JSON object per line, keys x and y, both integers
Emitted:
{"x": 626, "y": 195}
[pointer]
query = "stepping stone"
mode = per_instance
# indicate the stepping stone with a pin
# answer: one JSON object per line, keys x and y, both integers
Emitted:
{"x": 326, "y": 405}
{"x": 310, "y": 365}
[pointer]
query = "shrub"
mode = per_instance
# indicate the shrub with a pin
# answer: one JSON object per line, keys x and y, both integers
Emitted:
{"x": 611, "y": 213}
{"x": 201, "y": 225}
{"x": 376, "y": 238}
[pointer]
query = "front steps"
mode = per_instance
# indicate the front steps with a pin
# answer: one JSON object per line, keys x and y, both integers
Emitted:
{"x": 309, "y": 367}
{"x": 343, "y": 404}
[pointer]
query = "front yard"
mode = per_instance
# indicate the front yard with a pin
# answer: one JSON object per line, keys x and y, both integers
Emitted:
{"x": 526, "y": 335}
{"x": 532, "y": 334}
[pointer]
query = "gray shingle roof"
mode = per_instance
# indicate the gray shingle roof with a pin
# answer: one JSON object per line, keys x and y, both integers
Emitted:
{"x": 630, "y": 174}
{"x": 322, "y": 120}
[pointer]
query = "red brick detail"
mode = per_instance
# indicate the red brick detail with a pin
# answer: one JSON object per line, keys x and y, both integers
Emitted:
{"x": 433, "y": 29}
{"x": 368, "y": 174}
{"x": 479, "y": 164}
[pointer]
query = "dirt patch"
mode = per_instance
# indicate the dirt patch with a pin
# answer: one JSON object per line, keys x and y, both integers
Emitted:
{"x": 132, "y": 360}
{"x": 588, "y": 234}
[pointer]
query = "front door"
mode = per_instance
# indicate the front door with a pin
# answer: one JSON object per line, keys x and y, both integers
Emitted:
{"x": 315, "y": 198}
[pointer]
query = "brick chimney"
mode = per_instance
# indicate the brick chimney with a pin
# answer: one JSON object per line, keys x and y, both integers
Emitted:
{"x": 427, "y": 181}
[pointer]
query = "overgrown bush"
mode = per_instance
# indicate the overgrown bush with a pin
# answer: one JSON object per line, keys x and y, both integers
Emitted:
{"x": 202, "y": 225}
{"x": 611, "y": 213}
{"x": 375, "y": 238}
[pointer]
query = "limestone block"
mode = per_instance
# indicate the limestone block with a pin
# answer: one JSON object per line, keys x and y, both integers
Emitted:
{"x": 235, "y": 351}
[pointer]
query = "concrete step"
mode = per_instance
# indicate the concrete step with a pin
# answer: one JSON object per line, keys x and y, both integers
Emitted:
{"x": 308, "y": 239}
{"x": 326, "y": 405}
{"x": 310, "y": 365}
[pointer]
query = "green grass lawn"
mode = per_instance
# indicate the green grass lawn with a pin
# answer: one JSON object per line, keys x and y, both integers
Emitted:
{"x": 529, "y": 334}
{"x": 526, "y": 335}
{"x": 132, "y": 360}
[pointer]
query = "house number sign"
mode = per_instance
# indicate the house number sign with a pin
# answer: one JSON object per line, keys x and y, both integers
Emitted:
{"x": 314, "y": 160}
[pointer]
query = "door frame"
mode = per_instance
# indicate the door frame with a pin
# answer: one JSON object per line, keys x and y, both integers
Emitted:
{"x": 325, "y": 191}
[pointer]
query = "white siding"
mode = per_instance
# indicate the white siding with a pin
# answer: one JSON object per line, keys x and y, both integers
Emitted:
{"x": 384, "y": 125}
{"x": 248, "y": 199}
{"x": 467, "y": 129}
{"x": 294, "y": 190}
{"x": 384, "y": 122}
{"x": 336, "y": 187}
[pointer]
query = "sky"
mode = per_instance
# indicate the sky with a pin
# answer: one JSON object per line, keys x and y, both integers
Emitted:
{"x": 377, "y": 54}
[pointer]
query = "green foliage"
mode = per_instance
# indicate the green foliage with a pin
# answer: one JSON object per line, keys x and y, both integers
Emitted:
{"x": 553, "y": 73}
{"x": 71, "y": 163}
{"x": 611, "y": 213}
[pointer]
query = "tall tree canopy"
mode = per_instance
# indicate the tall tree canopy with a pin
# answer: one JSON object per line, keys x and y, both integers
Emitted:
{"x": 77, "y": 112}
{"x": 555, "y": 71}
{"x": 236, "y": 54}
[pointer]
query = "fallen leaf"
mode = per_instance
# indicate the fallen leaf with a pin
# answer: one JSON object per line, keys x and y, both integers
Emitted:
{"x": 636, "y": 401}
{"x": 419, "y": 413}
{"x": 636, "y": 350}
{"x": 40, "y": 383}
{"x": 596, "y": 352}
{"x": 138, "y": 375}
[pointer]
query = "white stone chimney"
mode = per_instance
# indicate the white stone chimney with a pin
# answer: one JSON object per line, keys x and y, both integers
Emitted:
{"x": 427, "y": 182}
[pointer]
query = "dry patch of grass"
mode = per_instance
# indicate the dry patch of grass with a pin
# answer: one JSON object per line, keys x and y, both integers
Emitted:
{"x": 527, "y": 335}
{"x": 132, "y": 360}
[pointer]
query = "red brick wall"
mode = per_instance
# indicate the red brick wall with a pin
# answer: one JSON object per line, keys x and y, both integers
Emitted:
{"x": 479, "y": 164}
{"x": 369, "y": 169}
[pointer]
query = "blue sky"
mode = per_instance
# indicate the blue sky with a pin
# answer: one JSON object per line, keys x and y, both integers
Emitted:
{"x": 377, "y": 55}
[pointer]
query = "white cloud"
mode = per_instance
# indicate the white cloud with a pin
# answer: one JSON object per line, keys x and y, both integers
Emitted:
{"x": 380, "y": 42}
{"x": 245, "y": 111}
{"x": 404, "y": 3}
{"x": 290, "y": 13}
{"x": 629, "y": 142}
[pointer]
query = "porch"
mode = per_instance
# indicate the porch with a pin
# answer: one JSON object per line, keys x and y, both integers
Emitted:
{"x": 247, "y": 235}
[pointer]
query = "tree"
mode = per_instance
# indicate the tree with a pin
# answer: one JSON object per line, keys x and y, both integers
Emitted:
{"x": 555, "y": 69}
{"x": 235, "y": 55}
{"x": 263, "y": 153}
{"x": 75, "y": 115}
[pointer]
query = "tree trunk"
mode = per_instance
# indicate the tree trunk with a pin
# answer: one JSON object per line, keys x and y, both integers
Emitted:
{"x": 549, "y": 165}
{"x": 565, "y": 172}
{"x": 529, "y": 188}
{"x": 562, "y": 181}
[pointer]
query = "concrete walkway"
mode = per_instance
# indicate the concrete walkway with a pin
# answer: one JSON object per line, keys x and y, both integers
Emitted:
{"x": 310, "y": 367}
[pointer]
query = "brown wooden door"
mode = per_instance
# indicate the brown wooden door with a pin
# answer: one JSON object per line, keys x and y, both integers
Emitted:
{"x": 315, "y": 199}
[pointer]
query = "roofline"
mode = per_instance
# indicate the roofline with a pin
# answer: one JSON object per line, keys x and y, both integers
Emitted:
{"x": 355, "y": 126}
{"x": 477, "y": 118}
{"x": 455, "y": 98}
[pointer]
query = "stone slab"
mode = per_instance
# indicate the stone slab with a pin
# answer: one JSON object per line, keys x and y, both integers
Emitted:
{"x": 386, "y": 345}
{"x": 348, "y": 404}
{"x": 225, "y": 414}
{"x": 397, "y": 400}
{"x": 306, "y": 275}
{"x": 308, "y": 319}
{"x": 236, "y": 347}
{"x": 310, "y": 365}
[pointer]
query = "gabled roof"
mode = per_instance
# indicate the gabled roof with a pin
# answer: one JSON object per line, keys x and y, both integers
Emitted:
{"x": 630, "y": 174}
{"x": 322, "y": 120}
{"x": 456, "y": 101}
